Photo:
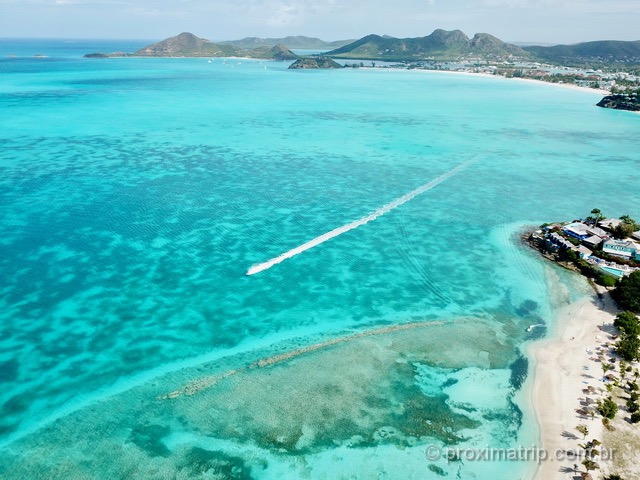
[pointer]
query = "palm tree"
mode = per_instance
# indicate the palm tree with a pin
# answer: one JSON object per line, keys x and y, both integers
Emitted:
{"x": 623, "y": 368}
{"x": 627, "y": 219}
{"x": 597, "y": 214}
{"x": 584, "y": 430}
{"x": 589, "y": 464}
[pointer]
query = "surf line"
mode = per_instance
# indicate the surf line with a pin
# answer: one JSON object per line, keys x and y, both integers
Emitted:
{"x": 261, "y": 267}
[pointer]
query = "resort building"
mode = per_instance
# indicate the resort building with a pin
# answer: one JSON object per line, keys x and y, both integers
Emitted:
{"x": 609, "y": 223}
{"x": 587, "y": 233}
{"x": 561, "y": 237}
{"x": 593, "y": 241}
{"x": 576, "y": 230}
{"x": 622, "y": 248}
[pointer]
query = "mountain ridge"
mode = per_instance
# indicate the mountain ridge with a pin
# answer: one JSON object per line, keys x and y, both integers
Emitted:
{"x": 296, "y": 42}
{"x": 601, "y": 51}
{"x": 439, "y": 45}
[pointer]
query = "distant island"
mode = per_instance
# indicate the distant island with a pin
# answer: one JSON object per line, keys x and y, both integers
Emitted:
{"x": 315, "y": 62}
{"x": 188, "y": 45}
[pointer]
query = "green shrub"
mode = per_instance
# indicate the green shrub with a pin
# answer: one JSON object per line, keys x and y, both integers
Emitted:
{"x": 628, "y": 322}
{"x": 605, "y": 280}
{"x": 627, "y": 293}
{"x": 628, "y": 347}
{"x": 608, "y": 408}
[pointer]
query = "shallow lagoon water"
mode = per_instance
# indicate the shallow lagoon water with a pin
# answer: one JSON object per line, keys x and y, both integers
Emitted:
{"x": 136, "y": 193}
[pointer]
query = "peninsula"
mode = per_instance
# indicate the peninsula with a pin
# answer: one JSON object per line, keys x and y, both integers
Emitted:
{"x": 604, "y": 250}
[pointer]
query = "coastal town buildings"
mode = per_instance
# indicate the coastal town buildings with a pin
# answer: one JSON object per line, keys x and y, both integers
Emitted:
{"x": 595, "y": 244}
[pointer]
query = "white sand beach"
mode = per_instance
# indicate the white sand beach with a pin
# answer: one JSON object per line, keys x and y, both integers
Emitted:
{"x": 500, "y": 77}
{"x": 564, "y": 367}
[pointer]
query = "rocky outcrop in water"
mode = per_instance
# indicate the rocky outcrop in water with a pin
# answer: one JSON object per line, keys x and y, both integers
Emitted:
{"x": 621, "y": 102}
{"x": 315, "y": 62}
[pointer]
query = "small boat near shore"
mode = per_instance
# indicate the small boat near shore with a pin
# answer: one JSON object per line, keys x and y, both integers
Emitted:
{"x": 531, "y": 327}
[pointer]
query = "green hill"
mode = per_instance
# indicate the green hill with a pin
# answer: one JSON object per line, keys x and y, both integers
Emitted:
{"x": 300, "y": 42}
{"x": 277, "y": 52}
{"x": 188, "y": 45}
{"x": 605, "y": 52}
{"x": 440, "y": 45}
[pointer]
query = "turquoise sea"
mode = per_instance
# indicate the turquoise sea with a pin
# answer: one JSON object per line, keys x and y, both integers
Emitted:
{"x": 136, "y": 193}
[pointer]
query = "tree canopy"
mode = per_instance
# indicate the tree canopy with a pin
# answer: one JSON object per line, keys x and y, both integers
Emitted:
{"x": 627, "y": 293}
{"x": 629, "y": 322}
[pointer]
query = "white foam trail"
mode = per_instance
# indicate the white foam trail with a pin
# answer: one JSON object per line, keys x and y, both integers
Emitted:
{"x": 260, "y": 267}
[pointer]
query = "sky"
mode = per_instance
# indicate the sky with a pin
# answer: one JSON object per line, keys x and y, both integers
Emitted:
{"x": 551, "y": 21}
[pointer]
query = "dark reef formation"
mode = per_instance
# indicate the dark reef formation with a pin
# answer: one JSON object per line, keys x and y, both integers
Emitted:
{"x": 621, "y": 102}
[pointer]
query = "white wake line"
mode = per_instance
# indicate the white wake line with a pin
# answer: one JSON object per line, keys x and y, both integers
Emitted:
{"x": 260, "y": 267}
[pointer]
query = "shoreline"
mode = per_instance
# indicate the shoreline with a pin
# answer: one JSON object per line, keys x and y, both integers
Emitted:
{"x": 528, "y": 80}
{"x": 562, "y": 368}
{"x": 599, "y": 91}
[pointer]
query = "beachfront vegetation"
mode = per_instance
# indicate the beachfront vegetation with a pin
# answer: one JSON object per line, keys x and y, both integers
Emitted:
{"x": 626, "y": 228}
{"x": 628, "y": 347}
{"x": 627, "y": 293}
{"x": 597, "y": 215}
{"x": 589, "y": 464}
{"x": 591, "y": 448}
{"x": 584, "y": 430}
{"x": 598, "y": 275}
{"x": 627, "y": 322}
{"x": 608, "y": 408}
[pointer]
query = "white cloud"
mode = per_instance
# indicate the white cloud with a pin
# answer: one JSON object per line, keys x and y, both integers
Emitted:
{"x": 532, "y": 20}
{"x": 285, "y": 14}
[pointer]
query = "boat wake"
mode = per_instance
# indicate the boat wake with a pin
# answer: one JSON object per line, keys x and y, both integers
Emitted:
{"x": 261, "y": 267}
